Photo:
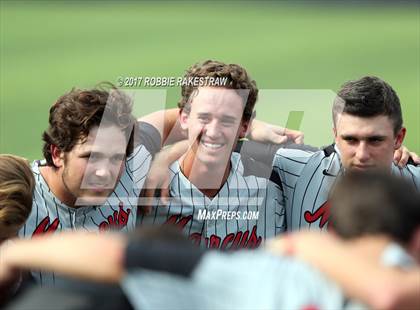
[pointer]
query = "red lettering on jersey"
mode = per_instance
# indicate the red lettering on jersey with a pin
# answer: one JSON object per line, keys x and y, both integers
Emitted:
{"x": 323, "y": 213}
{"x": 253, "y": 241}
{"x": 229, "y": 238}
{"x": 214, "y": 242}
{"x": 240, "y": 239}
{"x": 45, "y": 227}
{"x": 118, "y": 219}
{"x": 178, "y": 221}
{"x": 310, "y": 307}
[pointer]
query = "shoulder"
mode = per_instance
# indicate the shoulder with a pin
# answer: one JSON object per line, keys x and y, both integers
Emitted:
{"x": 297, "y": 157}
{"x": 148, "y": 136}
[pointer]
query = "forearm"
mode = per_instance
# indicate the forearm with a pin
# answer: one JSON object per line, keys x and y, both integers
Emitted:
{"x": 88, "y": 256}
{"x": 166, "y": 122}
{"x": 172, "y": 153}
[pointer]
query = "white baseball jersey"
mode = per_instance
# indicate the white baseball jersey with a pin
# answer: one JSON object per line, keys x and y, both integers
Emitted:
{"x": 119, "y": 212}
{"x": 245, "y": 211}
{"x": 306, "y": 179}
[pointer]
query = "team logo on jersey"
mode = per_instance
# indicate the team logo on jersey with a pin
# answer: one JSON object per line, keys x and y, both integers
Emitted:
{"x": 240, "y": 239}
{"x": 322, "y": 214}
{"x": 117, "y": 220}
{"x": 45, "y": 227}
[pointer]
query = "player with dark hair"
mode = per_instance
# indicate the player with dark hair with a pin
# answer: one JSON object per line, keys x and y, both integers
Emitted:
{"x": 96, "y": 158}
{"x": 212, "y": 200}
{"x": 367, "y": 129}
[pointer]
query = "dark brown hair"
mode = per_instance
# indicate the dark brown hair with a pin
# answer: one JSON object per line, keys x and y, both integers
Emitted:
{"x": 236, "y": 78}
{"x": 369, "y": 96}
{"x": 371, "y": 203}
{"x": 75, "y": 113}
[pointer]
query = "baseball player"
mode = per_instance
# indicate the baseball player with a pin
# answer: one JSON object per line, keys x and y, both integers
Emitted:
{"x": 211, "y": 199}
{"x": 93, "y": 168}
{"x": 368, "y": 128}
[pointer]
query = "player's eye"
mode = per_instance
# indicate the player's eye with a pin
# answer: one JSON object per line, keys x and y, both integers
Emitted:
{"x": 94, "y": 157}
{"x": 350, "y": 140}
{"x": 117, "y": 158}
{"x": 375, "y": 140}
{"x": 228, "y": 123}
{"x": 204, "y": 119}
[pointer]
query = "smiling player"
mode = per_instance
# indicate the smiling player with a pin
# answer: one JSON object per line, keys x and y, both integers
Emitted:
{"x": 211, "y": 199}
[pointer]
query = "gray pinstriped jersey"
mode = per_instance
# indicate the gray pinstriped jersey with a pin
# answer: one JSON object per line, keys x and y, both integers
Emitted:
{"x": 252, "y": 203}
{"x": 119, "y": 212}
{"x": 307, "y": 177}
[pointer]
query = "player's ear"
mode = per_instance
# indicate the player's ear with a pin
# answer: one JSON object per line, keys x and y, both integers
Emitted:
{"x": 399, "y": 138}
{"x": 334, "y": 133}
{"x": 183, "y": 119}
{"x": 244, "y": 128}
{"x": 57, "y": 156}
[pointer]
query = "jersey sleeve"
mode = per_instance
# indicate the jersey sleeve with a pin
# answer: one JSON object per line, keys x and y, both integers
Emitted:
{"x": 258, "y": 157}
{"x": 288, "y": 165}
{"x": 148, "y": 136}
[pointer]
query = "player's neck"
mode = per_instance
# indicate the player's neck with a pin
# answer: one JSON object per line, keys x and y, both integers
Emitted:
{"x": 55, "y": 183}
{"x": 370, "y": 247}
{"x": 208, "y": 179}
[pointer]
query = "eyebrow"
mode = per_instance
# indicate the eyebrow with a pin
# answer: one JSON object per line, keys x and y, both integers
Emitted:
{"x": 90, "y": 153}
{"x": 228, "y": 118}
{"x": 224, "y": 117}
{"x": 373, "y": 137}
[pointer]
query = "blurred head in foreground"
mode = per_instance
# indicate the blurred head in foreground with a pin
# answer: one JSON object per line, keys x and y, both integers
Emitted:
{"x": 375, "y": 204}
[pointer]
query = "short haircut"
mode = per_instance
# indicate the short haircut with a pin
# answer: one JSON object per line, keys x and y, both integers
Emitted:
{"x": 371, "y": 203}
{"x": 369, "y": 96}
{"x": 236, "y": 78}
{"x": 75, "y": 113}
{"x": 16, "y": 190}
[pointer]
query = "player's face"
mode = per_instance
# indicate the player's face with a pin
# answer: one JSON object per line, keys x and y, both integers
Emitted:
{"x": 92, "y": 169}
{"x": 366, "y": 142}
{"x": 216, "y": 114}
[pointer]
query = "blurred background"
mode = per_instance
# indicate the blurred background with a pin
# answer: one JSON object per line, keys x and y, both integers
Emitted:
{"x": 49, "y": 47}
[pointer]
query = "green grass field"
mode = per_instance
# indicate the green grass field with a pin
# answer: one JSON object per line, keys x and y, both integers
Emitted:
{"x": 49, "y": 47}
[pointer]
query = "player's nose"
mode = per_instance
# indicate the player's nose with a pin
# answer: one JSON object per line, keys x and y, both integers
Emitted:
{"x": 103, "y": 173}
{"x": 212, "y": 129}
{"x": 362, "y": 152}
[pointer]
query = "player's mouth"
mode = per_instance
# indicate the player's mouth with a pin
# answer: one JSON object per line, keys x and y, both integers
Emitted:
{"x": 212, "y": 146}
{"x": 362, "y": 167}
{"x": 99, "y": 188}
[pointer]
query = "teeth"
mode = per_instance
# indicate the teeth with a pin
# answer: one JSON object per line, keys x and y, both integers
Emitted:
{"x": 212, "y": 145}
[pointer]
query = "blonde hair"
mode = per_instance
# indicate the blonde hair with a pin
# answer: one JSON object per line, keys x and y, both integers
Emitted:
{"x": 16, "y": 189}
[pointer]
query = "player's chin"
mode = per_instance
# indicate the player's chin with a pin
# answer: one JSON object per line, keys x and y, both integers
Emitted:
{"x": 215, "y": 159}
{"x": 93, "y": 198}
